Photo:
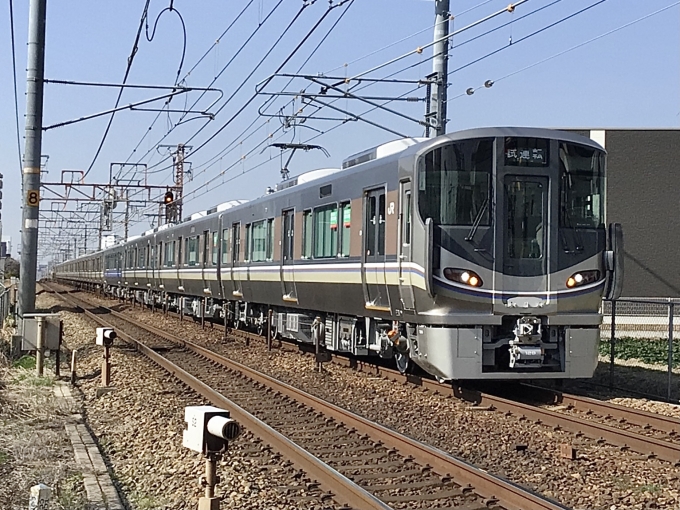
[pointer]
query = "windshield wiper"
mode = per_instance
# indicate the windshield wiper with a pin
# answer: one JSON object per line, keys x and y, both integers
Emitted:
{"x": 478, "y": 220}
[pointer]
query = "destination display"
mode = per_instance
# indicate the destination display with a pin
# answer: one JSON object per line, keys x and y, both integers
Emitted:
{"x": 526, "y": 152}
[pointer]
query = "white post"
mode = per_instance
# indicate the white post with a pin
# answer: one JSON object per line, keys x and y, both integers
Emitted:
{"x": 40, "y": 497}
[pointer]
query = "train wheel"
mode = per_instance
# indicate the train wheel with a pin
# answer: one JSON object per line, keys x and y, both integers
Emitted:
{"x": 403, "y": 362}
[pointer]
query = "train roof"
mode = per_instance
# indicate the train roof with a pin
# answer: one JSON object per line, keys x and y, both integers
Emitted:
{"x": 384, "y": 152}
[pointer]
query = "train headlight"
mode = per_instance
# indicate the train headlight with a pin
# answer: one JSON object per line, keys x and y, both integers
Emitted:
{"x": 463, "y": 276}
{"x": 583, "y": 278}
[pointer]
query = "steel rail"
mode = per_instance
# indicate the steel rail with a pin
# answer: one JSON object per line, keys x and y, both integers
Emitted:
{"x": 631, "y": 415}
{"x": 330, "y": 480}
{"x": 486, "y": 485}
{"x": 664, "y": 450}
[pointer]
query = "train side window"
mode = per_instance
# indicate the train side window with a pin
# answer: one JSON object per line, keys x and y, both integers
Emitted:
{"x": 141, "y": 257}
{"x": 307, "y": 230}
{"x": 225, "y": 246}
{"x": 205, "y": 252}
{"x": 258, "y": 241}
{"x": 236, "y": 242}
{"x": 270, "y": 239}
{"x": 326, "y": 231}
{"x": 248, "y": 255}
{"x": 215, "y": 248}
{"x": 406, "y": 234}
{"x": 345, "y": 217}
{"x": 191, "y": 254}
{"x": 179, "y": 246}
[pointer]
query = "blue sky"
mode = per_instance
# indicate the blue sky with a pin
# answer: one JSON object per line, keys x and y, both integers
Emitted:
{"x": 630, "y": 78}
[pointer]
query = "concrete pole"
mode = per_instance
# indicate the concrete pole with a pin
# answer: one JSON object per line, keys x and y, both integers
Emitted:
{"x": 31, "y": 170}
{"x": 40, "y": 348}
{"x": 440, "y": 65}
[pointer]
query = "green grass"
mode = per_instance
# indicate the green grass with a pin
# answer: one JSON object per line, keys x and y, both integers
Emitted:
{"x": 28, "y": 377}
{"x": 4, "y": 457}
{"x": 71, "y": 493}
{"x": 27, "y": 362}
{"x": 646, "y": 350}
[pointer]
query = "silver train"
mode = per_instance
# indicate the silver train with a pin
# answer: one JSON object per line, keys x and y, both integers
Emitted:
{"x": 481, "y": 254}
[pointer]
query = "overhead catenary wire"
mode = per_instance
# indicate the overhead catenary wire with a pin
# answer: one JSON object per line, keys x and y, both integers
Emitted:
{"x": 527, "y": 37}
{"x": 183, "y": 80}
{"x": 215, "y": 78}
{"x": 254, "y": 96}
{"x": 130, "y": 60}
{"x": 580, "y": 45}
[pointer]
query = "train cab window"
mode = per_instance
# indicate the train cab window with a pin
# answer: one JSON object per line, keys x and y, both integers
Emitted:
{"x": 326, "y": 231}
{"x": 344, "y": 228}
{"x": 581, "y": 186}
{"x": 525, "y": 215}
{"x": 215, "y": 248}
{"x": 225, "y": 246}
{"x": 307, "y": 231}
{"x": 236, "y": 242}
{"x": 454, "y": 183}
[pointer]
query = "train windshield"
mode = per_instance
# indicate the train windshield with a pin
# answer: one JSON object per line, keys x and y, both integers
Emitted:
{"x": 581, "y": 186}
{"x": 454, "y": 183}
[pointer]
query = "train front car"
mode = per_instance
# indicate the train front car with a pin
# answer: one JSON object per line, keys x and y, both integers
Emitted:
{"x": 509, "y": 225}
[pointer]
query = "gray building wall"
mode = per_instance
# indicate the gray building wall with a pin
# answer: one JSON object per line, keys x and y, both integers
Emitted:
{"x": 643, "y": 194}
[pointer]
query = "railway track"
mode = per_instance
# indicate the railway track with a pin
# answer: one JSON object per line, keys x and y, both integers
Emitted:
{"x": 357, "y": 462}
{"x": 646, "y": 433}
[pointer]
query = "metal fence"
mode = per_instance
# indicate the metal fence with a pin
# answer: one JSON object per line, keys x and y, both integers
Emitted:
{"x": 5, "y": 303}
{"x": 639, "y": 339}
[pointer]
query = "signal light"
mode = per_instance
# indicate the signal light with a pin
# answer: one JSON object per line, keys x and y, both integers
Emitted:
{"x": 169, "y": 198}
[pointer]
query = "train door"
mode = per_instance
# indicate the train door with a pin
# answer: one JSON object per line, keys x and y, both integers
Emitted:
{"x": 179, "y": 263}
{"x": 222, "y": 258}
{"x": 205, "y": 246}
{"x": 404, "y": 258}
{"x": 237, "y": 289}
{"x": 287, "y": 256}
{"x": 373, "y": 267}
{"x": 523, "y": 230}
{"x": 153, "y": 262}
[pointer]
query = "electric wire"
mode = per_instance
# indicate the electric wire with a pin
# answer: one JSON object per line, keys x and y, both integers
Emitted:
{"x": 224, "y": 68}
{"x": 254, "y": 96}
{"x": 131, "y": 58}
{"x": 577, "y": 46}
{"x": 526, "y": 37}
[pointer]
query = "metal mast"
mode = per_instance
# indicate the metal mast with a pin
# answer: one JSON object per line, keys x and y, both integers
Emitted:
{"x": 31, "y": 169}
{"x": 440, "y": 66}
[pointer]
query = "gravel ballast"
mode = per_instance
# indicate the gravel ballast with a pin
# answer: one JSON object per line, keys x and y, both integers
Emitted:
{"x": 602, "y": 476}
{"x": 139, "y": 429}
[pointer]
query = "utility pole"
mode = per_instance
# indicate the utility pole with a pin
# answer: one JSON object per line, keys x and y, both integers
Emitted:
{"x": 179, "y": 179}
{"x": 440, "y": 67}
{"x": 31, "y": 169}
{"x": 127, "y": 213}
